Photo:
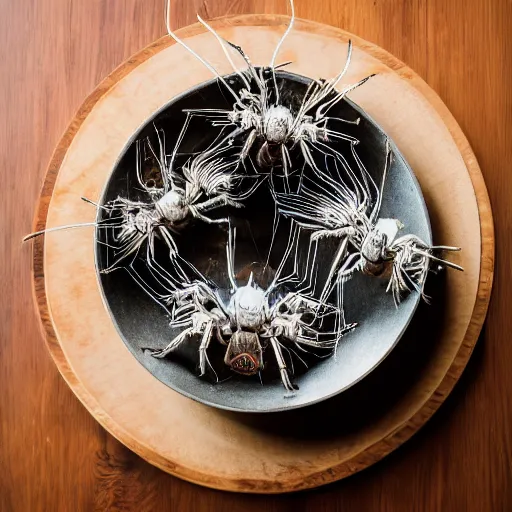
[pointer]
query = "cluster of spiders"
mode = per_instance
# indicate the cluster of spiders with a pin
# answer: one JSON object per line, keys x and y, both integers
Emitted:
{"x": 289, "y": 145}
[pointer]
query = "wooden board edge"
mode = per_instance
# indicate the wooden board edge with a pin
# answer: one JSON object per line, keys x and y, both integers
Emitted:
{"x": 403, "y": 432}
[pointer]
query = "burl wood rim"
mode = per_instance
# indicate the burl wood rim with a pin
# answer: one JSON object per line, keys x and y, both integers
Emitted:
{"x": 403, "y": 431}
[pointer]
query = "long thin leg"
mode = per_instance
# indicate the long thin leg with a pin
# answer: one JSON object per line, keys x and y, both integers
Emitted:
{"x": 278, "y": 47}
{"x": 323, "y": 109}
{"x": 230, "y": 254}
{"x": 308, "y": 157}
{"x": 389, "y": 155}
{"x": 174, "y": 344}
{"x": 208, "y": 220}
{"x": 200, "y": 59}
{"x": 205, "y": 342}
{"x": 274, "y": 231}
{"x": 251, "y": 139}
{"x": 283, "y": 370}
{"x": 214, "y": 202}
{"x": 226, "y": 53}
{"x": 342, "y": 250}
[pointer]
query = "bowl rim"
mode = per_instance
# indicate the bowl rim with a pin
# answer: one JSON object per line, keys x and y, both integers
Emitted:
{"x": 413, "y": 294}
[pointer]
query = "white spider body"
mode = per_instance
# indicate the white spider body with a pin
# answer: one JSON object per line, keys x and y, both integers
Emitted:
{"x": 277, "y": 124}
{"x": 172, "y": 207}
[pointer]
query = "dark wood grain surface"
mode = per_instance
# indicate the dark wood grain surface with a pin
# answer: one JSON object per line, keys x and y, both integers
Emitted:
{"x": 53, "y": 455}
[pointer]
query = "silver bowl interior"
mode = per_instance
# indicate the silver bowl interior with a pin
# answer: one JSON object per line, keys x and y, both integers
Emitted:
{"x": 142, "y": 324}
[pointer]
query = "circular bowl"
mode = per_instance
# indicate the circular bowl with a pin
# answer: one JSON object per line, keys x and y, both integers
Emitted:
{"x": 144, "y": 325}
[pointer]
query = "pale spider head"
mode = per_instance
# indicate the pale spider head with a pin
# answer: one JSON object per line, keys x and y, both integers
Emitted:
{"x": 172, "y": 206}
{"x": 244, "y": 353}
{"x": 249, "y": 306}
{"x": 375, "y": 246}
{"x": 277, "y": 124}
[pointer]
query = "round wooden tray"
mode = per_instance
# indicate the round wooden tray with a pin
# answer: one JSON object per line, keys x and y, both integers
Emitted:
{"x": 304, "y": 448}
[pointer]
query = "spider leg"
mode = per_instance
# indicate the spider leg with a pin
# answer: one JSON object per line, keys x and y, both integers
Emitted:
{"x": 251, "y": 69}
{"x": 274, "y": 232}
{"x": 170, "y": 168}
{"x": 340, "y": 318}
{"x": 230, "y": 255}
{"x": 327, "y": 233}
{"x": 389, "y": 155}
{"x": 251, "y": 139}
{"x": 291, "y": 351}
{"x": 161, "y": 159}
{"x": 206, "y": 219}
{"x": 214, "y": 202}
{"x": 169, "y": 241}
{"x": 278, "y": 47}
{"x": 173, "y": 254}
{"x": 285, "y": 157}
{"x": 226, "y": 53}
{"x": 174, "y": 344}
{"x": 58, "y": 228}
{"x": 323, "y": 109}
{"x": 341, "y": 120}
{"x": 308, "y": 157}
{"x": 205, "y": 342}
{"x": 283, "y": 370}
{"x": 130, "y": 248}
{"x": 341, "y": 136}
{"x": 351, "y": 264}
{"x": 441, "y": 261}
{"x": 342, "y": 250}
{"x": 191, "y": 51}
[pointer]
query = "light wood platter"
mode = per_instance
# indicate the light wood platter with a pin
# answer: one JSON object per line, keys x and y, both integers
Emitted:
{"x": 302, "y": 449}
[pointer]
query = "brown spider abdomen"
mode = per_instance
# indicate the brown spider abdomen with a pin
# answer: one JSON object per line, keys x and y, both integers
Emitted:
{"x": 376, "y": 269}
{"x": 245, "y": 364}
{"x": 268, "y": 155}
{"x": 244, "y": 353}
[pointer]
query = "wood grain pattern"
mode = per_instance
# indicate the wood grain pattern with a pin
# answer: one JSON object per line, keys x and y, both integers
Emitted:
{"x": 54, "y": 456}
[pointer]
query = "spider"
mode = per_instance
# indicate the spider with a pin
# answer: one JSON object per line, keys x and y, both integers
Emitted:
{"x": 249, "y": 322}
{"x": 208, "y": 181}
{"x": 260, "y": 113}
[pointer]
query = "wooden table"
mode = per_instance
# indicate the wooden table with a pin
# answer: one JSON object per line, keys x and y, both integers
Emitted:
{"x": 53, "y": 454}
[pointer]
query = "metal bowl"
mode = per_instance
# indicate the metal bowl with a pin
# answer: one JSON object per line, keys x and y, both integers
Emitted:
{"x": 142, "y": 324}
